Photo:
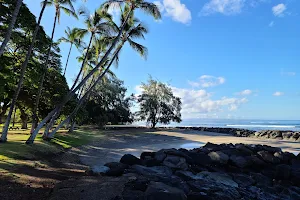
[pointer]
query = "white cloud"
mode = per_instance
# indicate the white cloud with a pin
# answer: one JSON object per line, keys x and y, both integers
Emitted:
{"x": 271, "y": 24}
{"x": 277, "y": 94}
{"x": 226, "y": 7}
{"x": 278, "y": 10}
{"x": 199, "y": 103}
{"x": 159, "y": 5}
{"x": 246, "y": 92}
{"x": 207, "y": 81}
{"x": 176, "y": 10}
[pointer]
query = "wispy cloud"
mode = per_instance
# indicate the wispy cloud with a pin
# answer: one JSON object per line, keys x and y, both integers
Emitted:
{"x": 245, "y": 92}
{"x": 271, "y": 24}
{"x": 206, "y": 81}
{"x": 226, "y": 7}
{"x": 277, "y": 94}
{"x": 176, "y": 10}
{"x": 278, "y": 10}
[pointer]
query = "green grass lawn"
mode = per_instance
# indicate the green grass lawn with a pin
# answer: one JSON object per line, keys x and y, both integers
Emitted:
{"x": 15, "y": 152}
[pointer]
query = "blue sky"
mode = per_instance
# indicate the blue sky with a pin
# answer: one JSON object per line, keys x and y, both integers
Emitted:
{"x": 224, "y": 58}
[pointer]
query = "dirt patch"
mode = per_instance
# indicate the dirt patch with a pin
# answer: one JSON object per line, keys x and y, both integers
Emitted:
{"x": 35, "y": 179}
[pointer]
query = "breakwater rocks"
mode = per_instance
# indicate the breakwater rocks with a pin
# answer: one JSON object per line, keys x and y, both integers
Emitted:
{"x": 271, "y": 134}
{"x": 216, "y": 172}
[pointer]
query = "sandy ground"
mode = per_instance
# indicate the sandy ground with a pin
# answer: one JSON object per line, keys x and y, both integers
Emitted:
{"x": 116, "y": 143}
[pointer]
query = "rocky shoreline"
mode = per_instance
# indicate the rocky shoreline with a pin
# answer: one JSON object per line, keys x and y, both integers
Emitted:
{"x": 268, "y": 134}
{"x": 213, "y": 171}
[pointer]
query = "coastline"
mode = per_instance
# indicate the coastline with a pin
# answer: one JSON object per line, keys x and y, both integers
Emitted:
{"x": 288, "y": 135}
{"x": 120, "y": 140}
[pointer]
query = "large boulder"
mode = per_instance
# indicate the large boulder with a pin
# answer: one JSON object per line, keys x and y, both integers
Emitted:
{"x": 154, "y": 173}
{"x": 218, "y": 178}
{"x": 218, "y": 157}
{"x": 261, "y": 180}
{"x": 244, "y": 149}
{"x": 283, "y": 172}
{"x": 115, "y": 168}
{"x": 129, "y": 159}
{"x": 287, "y": 135}
{"x": 239, "y": 161}
{"x": 199, "y": 158}
{"x": 243, "y": 180}
{"x": 161, "y": 191}
{"x": 97, "y": 170}
{"x": 268, "y": 157}
{"x": 175, "y": 162}
{"x": 214, "y": 190}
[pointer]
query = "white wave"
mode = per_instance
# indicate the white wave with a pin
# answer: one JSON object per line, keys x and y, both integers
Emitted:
{"x": 262, "y": 126}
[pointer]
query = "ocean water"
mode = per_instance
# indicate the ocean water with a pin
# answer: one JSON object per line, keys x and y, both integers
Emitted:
{"x": 257, "y": 125}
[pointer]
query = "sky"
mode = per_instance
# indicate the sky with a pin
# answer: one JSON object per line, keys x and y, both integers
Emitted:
{"x": 226, "y": 59}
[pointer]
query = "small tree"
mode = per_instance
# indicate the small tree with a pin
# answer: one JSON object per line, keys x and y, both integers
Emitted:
{"x": 158, "y": 104}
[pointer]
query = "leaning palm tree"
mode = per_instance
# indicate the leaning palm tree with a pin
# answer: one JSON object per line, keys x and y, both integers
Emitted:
{"x": 134, "y": 29}
{"x": 59, "y": 5}
{"x": 147, "y": 7}
{"x": 96, "y": 24}
{"x": 90, "y": 57}
{"x": 11, "y": 25}
{"x": 72, "y": 39}
{"x": 22, "y": 73}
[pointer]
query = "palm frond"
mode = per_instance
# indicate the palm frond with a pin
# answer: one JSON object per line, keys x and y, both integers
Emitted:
{"x": 151, "y": 9}
{"x": 142, "y": 50}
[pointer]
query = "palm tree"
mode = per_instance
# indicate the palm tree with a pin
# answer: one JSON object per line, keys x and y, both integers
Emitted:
{"x": 147, "y": 7}
{"x": 71, "y": 38}
{"x": 22, "y": 73}
{"x": 58, "y": 5}
{"x": 11, "y": 25}
{"x": 133, "y": 30}
{"x": 97, "y": 24}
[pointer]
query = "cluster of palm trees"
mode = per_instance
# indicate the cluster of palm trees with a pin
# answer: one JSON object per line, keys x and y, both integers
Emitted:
{"x": 106, "y": 39}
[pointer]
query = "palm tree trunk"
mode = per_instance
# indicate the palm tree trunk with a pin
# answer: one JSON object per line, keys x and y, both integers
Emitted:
{"x": 68, "y": 59}
{"x": 14, "y": 117}
{"x": 72, "y": 127}
{"x": 38, "y": 97}
{"x": 83, "y": 62}
{"x": 51, "y": 123}
{"x": 74, "y": 112}
{"x": 11, "y": 26}
{"x": 72, "y": 92}
{"x": 21, "y": 79}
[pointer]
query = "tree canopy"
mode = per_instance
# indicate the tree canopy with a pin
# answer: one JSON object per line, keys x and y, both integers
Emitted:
{"x": 158, "y": 104}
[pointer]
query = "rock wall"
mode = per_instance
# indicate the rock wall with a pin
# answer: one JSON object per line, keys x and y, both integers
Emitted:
{"x": 213, "y": 171}
{"x": 271, "y": 134}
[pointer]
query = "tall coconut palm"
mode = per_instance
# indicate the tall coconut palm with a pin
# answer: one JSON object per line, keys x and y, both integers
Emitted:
{"x": 147, "y": 7}
{"x": 133, "y": 30}
{"x": 72, "y": 39}
{"x": 96, "y": 24}
{"x": 90, "y": 57}
{"x": 22, "y": 73}
{"x": 59, "y": 5}
{"x": 11, "y": 25}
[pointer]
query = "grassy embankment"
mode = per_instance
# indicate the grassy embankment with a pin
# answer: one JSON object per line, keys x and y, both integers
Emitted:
{"x": 15, "y": 153}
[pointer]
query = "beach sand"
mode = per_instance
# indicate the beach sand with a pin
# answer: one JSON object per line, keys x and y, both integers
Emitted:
{"x": 113, "y": 144}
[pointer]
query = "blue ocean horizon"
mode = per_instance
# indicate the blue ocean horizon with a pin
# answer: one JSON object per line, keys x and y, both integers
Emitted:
{"x": 257, "y": 125}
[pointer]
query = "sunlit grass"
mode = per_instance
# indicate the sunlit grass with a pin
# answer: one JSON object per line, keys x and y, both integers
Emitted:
{"x": 15, "y": 152}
